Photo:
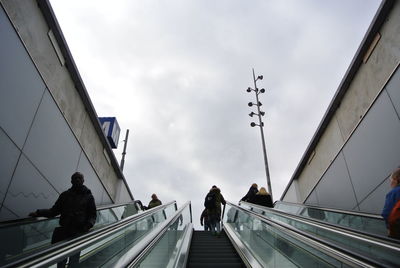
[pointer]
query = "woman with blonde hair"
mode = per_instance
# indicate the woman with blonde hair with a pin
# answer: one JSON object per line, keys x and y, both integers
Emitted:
{"x": 263, "y": 198}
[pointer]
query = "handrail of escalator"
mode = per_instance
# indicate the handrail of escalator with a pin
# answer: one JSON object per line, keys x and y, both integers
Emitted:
{"x": 346, "y": 212}
{"x": 138, "y": 252}
{"x": 331, "y": 249}
{"x": 29, "y": 220}
{"x": 358, "y": 234}
{"x": 64, "y": 249}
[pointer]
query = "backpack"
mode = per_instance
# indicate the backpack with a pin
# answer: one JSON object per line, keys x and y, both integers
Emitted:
{"x": 211, "y": 200}
{"x": 394, "y": 221}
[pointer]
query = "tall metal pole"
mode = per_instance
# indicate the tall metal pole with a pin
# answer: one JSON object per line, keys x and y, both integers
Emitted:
{"x": 124, "y": 151}
{"x": 262, "y": 137}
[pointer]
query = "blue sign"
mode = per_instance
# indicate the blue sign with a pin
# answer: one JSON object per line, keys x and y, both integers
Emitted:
{"x": 111, "y": 130}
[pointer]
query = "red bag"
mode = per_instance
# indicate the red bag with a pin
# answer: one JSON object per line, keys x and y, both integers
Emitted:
{"x": 394, "y": 221}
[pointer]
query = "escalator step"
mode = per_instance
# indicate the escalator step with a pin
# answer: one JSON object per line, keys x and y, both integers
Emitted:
{"x": 215, "y": 265}
{"x": 207, "y": 250}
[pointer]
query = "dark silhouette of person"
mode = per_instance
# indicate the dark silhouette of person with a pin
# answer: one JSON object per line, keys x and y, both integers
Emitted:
{"x": 263, "y": 198}
{"x": 154, "y": 202}
{"x": 251, "y": 193}
{"x": 204, "y": 217}
{"x": 214, "y": 213}
{"x": 77, "y": 210}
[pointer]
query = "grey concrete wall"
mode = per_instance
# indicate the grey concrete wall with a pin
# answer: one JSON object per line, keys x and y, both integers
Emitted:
{"x": 368, "y": 82}
{"x": 33, "y": 31}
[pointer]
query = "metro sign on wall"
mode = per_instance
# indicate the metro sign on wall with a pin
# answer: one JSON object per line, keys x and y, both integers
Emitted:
{"x": 111, "y": 129}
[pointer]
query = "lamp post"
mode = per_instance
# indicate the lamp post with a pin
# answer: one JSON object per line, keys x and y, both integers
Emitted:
{"x": 260, "y": 124}
{"x": 124, "y": 151}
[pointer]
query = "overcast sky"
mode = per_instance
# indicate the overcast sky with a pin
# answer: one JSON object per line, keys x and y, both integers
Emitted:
{"x": 176, "y": 72}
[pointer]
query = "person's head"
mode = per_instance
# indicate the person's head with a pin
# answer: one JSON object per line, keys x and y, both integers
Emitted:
{"x": 154, "y": 197}
{"x": 254, "y": 185}
{"x": 215, "y": 189}
{"x": 395, "y": 178}
{"x": 77, "y": 179}
{"x": 263, "y": 191}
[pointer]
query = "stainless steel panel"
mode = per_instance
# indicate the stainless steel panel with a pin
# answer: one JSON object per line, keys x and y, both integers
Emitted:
{"x": 29, "y": 190}
{"x": 393, "y": 89}
{"x": 9, "y": 154}
{"x": 106, "y": 198}
{"x": 6, "y": 214}
{"x": 373, "y": 151}
{"x": 21, "y": 87}
{"x": 335, "y": 189}
{"x": 312, "y": 199}
{"x": 375, "y": 201}
{"x": 51, "y": 146}
{"x": 91, "y": 179}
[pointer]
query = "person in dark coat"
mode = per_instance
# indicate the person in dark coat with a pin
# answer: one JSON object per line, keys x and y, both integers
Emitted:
{"x": 251, "y": 193}
{"x": 214, "y": 214}
{"x": 77, "y": 210}
{"x": 263, "y": 198}
{"x": 204, "y": 218}
{"x": 154, "y": 202}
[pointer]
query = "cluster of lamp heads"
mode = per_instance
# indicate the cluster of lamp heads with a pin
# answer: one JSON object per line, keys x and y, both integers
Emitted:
{"x": 250, "y": 104}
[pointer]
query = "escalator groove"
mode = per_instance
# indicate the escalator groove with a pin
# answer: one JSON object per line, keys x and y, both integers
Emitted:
{"x": 207, "y": 250}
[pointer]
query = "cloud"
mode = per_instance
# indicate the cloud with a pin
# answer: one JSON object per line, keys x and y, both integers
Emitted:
{"x": 175, "y": 74}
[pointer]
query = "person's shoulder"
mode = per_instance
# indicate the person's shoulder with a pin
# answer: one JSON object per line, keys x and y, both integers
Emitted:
{"x": 394, "y": 191}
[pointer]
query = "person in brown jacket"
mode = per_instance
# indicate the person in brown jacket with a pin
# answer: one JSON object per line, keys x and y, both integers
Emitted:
{"x": 214, "y": 208}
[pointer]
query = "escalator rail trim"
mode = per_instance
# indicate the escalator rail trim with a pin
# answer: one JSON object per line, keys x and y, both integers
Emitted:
{"x": 335, "y": 251}
{"x": 185, "y": 247}
{"x": 65, "y": 249}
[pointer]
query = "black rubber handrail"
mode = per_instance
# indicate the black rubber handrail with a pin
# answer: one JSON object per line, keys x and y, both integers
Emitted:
{"x": 346, "y": 212}
{"x": 29, "y": 220}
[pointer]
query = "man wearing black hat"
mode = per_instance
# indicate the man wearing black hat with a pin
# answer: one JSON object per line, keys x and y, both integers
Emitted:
{"x": 77, "y": 211}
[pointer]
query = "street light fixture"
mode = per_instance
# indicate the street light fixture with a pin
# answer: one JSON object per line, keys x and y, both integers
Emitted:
{"x": 261, "y": 124}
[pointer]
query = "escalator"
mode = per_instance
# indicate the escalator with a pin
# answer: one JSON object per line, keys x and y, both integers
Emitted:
{"x": 248, "y": 240}
{"x": 164, "y": 237}
{"x": 358, "y": 234}
{"x": 115, "y": 230}
{"x": 30, "y": 235}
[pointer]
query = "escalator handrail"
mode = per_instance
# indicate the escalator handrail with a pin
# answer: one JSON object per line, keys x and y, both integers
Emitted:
{"x": 65, "y": 249}
{"x": 138, "y": 252}
{"x": 331, "y": 249}
{"x": 29, "y": 220}
{"x": 346, "y": 212}
{"x": 354, "y": 233}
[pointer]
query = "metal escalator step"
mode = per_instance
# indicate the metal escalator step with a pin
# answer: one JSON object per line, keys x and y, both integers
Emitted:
{"x": 213, "y": 265}
{"x": 216, "y": 259}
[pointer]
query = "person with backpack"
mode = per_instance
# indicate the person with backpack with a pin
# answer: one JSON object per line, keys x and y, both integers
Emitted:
{"x": 391, "y": 209}
{"x": 212, "y": 203}
{"x": 251, "y": 193}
